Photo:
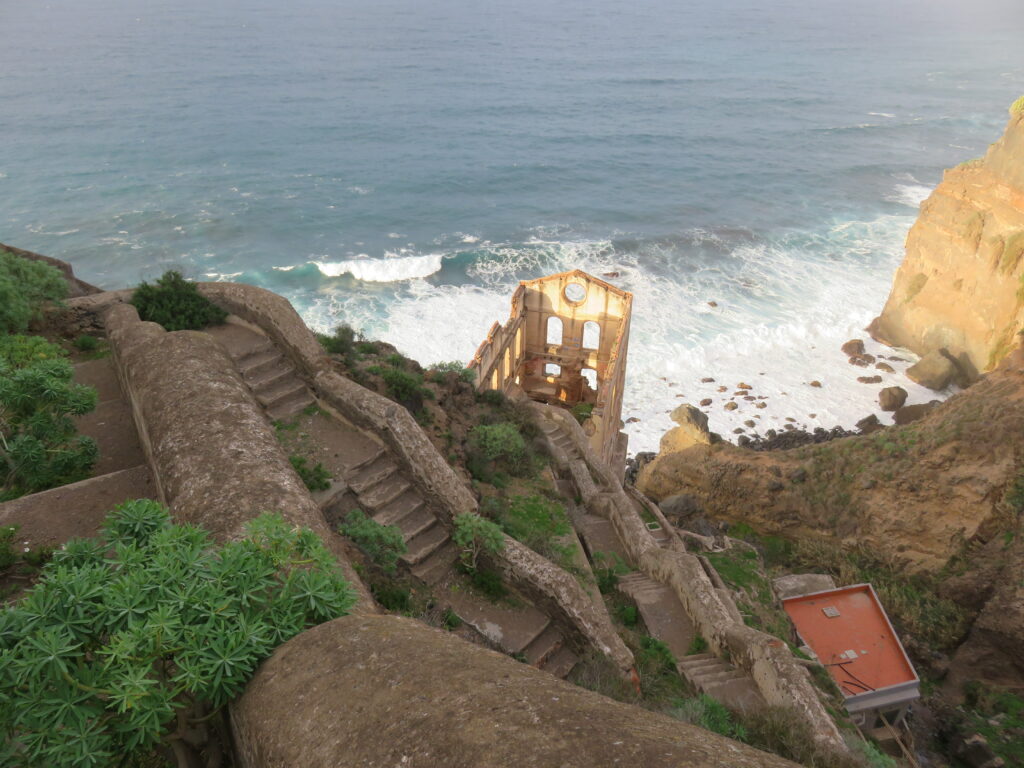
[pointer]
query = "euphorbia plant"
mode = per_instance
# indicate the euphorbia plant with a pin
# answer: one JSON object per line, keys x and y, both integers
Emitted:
{"x": 141, "y": 638}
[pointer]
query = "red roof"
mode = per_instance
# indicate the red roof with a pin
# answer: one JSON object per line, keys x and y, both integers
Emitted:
{"x": 851, "y": 635}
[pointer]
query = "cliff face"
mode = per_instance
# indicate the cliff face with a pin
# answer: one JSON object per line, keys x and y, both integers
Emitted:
{"x": 960, "y": 285}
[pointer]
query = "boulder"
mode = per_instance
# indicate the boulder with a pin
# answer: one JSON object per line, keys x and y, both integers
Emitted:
{"x": 892, "y": 398}
{"x": 794, "y": 584}
{"x": 869, "y": 424}
{"x": 730, "y": 406}
{"x": 885, "y": 367}
{"x": 869, "y": 379}
{"x": 935, "y": 370}
{"x": 816, "y": 384}
{"x": 863, "y": 360}
{"x": 706, "y": 401}
{"x": 853, "y": 347}
{"x": 911, "y": 413}
{"x": 692, "y": 430}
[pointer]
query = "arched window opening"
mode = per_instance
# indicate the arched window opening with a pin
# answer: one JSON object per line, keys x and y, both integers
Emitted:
{"x": 590, "y": 375}
{"x": 494, "y": 379}
{"x": 555, "y": 330}
{"x": 591, "y": 335}
{"x": 552, "y": 369}
{"x": 519, "y": 342}
{"x": 508, "y": 363}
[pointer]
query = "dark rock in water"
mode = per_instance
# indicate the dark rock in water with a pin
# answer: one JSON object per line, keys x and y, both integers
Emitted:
{"x": 911, "y": 413}
{"x": 892, "y": 398}
{"x": 869, "y": 379}
{"x": 781, "y": 441}
{"x": 862, "y": 360}
{"x": 632, "y": 420}
{"x": 730, "y": 406}
{"x": 712, "y": 303}
{"x": 738, "y": 431}
{"x": 706, "y": 401}
{"x": 869, "y": 424}
{"x": 707, "y": 380}
{"x": 722, "y": 389}
{"x": 635, "y": 463}
{"x": 750, "y": 423}
{"x": 816, "y": 383}
{"x": 743, "y": 441}
{"x": 761, "y": 405}
{"x": 885, "y": 367}
{"x": 853, "y": 347}
{"x": 743, "y": 385}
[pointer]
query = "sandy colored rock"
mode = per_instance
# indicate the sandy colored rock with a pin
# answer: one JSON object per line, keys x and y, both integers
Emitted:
{"x": 815, "y": 383}
{"x": 908, "y": 414}
{"x": 885, "y": 367}
{"x": 706, "y": 401}
{"x": 957, "y": 287}
{"x": 869, "y": 379}
{"x": 390, "y": 691}
{"x": 935, "y": 371}
{"x": 692, "y": 429}
{"x": 731, "y": 406}
{"x": 891, "y": 398}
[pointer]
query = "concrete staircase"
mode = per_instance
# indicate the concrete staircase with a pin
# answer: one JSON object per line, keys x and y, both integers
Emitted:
{"x": 664, "y": 615}
{"x": 390, "y": 499}
{"x": 721, "y": 681}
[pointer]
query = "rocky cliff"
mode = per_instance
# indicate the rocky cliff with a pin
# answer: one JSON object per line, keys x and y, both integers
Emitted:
{"x": 960, "y": 285}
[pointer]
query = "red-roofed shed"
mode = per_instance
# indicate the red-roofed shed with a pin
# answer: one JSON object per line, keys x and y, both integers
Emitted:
{"x": 851, "y": 635}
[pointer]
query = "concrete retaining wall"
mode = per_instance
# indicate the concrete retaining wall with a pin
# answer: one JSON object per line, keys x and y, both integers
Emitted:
{"x": 215, "y": 460}
{"x": 779, "y": 676}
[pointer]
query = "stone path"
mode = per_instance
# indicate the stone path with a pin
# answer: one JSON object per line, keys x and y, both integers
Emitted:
{"x": 664, "y": 615}
{"x": 368, "y": 477}
{"x": 110, "y": 424}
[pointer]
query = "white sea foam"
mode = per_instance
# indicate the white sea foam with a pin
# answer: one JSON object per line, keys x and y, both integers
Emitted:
{"x": 881, "y": 114}
{"x": 222, "y": 277}
{"x": 385, "y": 270}
{"x": 910, "y": 192}
{"x": 784, "y": 309}
{"x": 286, "y": 269}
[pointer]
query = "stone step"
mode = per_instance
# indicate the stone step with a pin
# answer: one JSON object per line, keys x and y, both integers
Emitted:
{"x": 279, "y": 391}
{"x": 253, "y": 363}
{"x": 739, "y": 694}
{"x": 353, "y": 469}
{"x": 290, "y": 406}
{"x": 543, "y": 646}
{"x": 724, "y": 676}
{"x": 372, "y": 472}
{"x": 393, "y": 511}
{"x": 269, "y": 375}
{"x": 324, "y": 499}
{"x": 436, "y": 566}
{"x": 383, "y": 493}
{"x": 561, "y": 662}
{"x": 423, "y": 545}
{"x": 415, "y": 523}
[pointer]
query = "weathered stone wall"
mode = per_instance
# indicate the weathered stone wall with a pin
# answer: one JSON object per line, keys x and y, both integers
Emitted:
{"x": 779, "y": 677}
{"x": 960, "y": 285}
{"x": 215, "y": 459}
{"x": 388, "y": 691}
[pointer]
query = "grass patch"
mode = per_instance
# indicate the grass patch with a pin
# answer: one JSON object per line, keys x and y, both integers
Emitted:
{"x": 315, "y": 478}
{"x": 997, "y": 714}
{"x": 384, "y": 544}
{"x": 1017, "y": 107}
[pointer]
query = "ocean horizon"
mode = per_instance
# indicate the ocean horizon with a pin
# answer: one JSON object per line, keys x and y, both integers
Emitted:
{"x": 748, "y": 170}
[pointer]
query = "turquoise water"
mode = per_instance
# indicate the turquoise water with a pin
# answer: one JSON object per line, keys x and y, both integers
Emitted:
{"x": 400, "y": 165}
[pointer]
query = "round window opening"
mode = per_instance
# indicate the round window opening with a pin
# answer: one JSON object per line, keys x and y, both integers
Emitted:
{"x": 575, "y": 293}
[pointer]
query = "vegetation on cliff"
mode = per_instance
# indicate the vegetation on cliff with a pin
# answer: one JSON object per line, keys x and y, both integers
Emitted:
{"x": 26, "y": 287}
{"x": 176, "y": 304}
{"x": 141, "y": 638}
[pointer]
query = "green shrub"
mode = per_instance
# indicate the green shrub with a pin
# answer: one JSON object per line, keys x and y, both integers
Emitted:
{"x": 176, "y": 304}
{"x": 126, "y": 640}
{"x": 493, "y": 397}
{"x": 497, "y": 445}
{"x": 39, "y": 447}
{"x": 315, "y": 478}
{"x": 475, "y": 536}
{"x": 1017, "y": 107}
{"x": 608, "y": 566}
{"x": 582, "y": 411}
{"x": 697, "y": 645}
{"x": 628, "y": 615}
{"x": 367, "y": 347}
{"x": 489, "y": 582}
{"x": 86, "y": 343}
{"x": 21, "y": 351}
{"x": 7, "y": 554}
{"x": 392, "y": 597}
{"x": 711, "y": 715}
{"x": 341, "y": 342}
{"x": 402, "y": 385}
{"x": 537, "y": 522}
{"x": 384, "y": 544}
{"x": 440, "y": 372}
{"x": 25, "y": 286}
{"x": 451, "y": 620}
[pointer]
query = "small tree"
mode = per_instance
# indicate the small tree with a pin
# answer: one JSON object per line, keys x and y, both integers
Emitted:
{"x": 176, "y": 304}
{"x": 475, "y": 535}
{"x": 39, "y": 447}
{"x": 145, "y": 635}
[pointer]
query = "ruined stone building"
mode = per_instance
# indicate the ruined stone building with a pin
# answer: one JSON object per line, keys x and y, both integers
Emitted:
{"x": 565, "y": 344}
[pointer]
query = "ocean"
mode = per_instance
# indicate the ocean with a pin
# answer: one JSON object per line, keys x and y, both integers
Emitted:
{"x": 748, "y": 169}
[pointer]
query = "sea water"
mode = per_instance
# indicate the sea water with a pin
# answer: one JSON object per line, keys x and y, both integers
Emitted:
{"x": 748, "y": 169}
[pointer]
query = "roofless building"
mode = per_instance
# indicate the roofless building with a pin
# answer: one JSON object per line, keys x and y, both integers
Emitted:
{"x": 565, "y": 344}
